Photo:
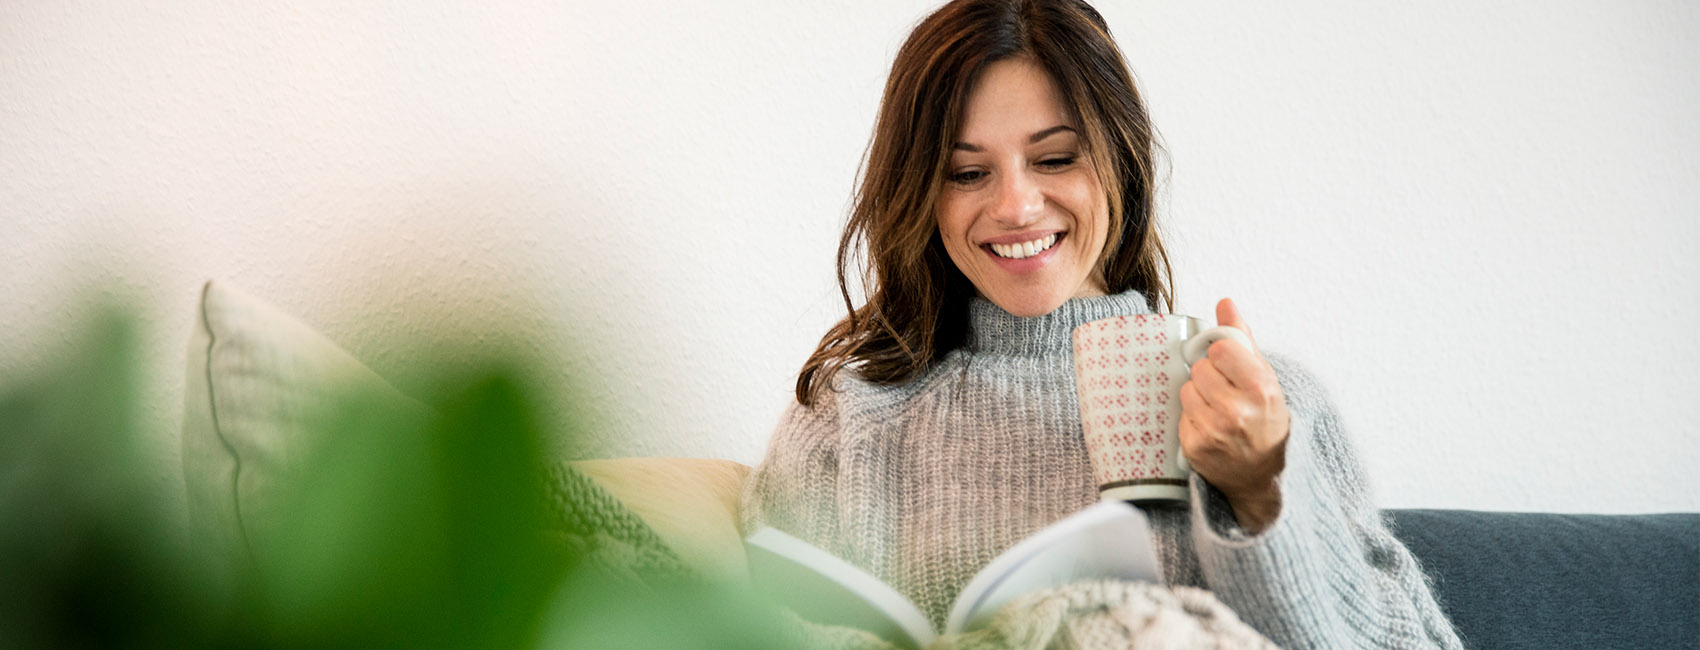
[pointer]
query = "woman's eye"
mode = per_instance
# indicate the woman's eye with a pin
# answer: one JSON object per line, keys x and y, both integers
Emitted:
{"x": 1057, "y": 163}
{"x": 966, "y": 177}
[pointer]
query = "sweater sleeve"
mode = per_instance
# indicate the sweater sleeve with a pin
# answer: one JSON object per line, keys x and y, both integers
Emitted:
{"x": 1327, "y": 573}
{"x": 794, "y": 488}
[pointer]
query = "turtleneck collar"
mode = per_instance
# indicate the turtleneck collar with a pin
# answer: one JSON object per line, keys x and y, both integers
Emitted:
{"x": 991, "y": 329}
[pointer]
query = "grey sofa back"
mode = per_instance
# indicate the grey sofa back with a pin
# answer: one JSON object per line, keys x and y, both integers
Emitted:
{"x": 1537, "y": 580}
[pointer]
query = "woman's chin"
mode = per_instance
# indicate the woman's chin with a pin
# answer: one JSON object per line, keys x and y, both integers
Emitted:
{"x": 1029, "y": 304}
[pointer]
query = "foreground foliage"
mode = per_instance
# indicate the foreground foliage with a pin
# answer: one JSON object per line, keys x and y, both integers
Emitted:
{"x": 403, "y": 530}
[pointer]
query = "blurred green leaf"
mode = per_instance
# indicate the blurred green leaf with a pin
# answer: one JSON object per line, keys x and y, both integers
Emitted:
{"x": 397, "y": 529}
{"x": 87, "y": 558}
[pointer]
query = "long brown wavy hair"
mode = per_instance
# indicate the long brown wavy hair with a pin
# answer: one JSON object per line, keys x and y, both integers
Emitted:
{"x": 917, "y": 305}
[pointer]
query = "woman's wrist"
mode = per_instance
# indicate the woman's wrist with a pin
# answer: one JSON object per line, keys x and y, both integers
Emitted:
{"x": 1256, "y": 510}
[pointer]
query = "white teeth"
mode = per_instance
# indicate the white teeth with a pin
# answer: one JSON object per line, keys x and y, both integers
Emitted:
{"x": 1025, "y": 249}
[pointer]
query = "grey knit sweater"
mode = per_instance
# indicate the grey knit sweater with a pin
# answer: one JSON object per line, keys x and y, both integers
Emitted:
{"x": 924, "y": 483}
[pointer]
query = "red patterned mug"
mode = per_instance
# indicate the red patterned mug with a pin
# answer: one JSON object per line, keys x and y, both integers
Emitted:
{"x": 1128, "y": 373}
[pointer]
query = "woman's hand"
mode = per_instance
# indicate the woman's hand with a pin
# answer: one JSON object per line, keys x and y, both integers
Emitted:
{"x": 1234, "y": 425}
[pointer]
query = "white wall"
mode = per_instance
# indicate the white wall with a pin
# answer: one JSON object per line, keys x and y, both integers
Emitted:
{"x": 1476, "y": 221}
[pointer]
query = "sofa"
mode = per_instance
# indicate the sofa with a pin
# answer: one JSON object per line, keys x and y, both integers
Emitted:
{"x": 1507, "y": 580}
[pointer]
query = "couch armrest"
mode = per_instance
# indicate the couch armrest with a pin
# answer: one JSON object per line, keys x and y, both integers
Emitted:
{"x": 692, "y": 503}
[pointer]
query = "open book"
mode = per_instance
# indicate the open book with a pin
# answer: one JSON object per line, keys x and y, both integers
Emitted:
{"x": 1107, "y": 540}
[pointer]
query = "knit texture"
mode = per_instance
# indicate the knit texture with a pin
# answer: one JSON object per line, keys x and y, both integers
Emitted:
{"x": 590, "y": 524}
{"x": 923, "y": 483}
{"x": 1112, "y": 614}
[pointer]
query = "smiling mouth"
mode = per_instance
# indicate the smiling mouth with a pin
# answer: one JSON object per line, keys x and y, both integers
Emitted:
{"x": 1024, "y": 250}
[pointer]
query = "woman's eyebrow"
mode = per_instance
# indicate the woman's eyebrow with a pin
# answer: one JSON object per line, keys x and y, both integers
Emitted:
{"x": 1035, "y": 138}
{"x": 1032, "y": 139}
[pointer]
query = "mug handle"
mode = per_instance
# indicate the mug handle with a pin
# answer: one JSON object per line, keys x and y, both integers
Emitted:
{"x": 1198, "y": 347}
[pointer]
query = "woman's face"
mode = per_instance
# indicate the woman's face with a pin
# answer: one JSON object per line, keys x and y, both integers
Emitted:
{"x": 1022, "y": 212}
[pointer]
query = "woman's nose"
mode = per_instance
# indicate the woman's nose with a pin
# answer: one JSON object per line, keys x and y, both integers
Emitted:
{"x": 1019, "y": 201}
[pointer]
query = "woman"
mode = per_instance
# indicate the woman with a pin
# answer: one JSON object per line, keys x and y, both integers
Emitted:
{"x": 1008, "y": 197}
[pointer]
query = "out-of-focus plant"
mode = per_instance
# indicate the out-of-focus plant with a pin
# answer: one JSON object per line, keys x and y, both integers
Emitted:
{"x": 400, "y": 530}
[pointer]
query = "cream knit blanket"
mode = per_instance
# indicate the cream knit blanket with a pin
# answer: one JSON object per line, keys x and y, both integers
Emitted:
{"x": 1111, "y": 614}
{"x": 1084, "y": 616}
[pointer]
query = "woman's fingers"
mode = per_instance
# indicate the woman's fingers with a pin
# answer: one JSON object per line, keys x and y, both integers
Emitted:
{"x": 1196, "y": 432}
{"x": 1210, "y": 420}
{"x": 1227, "y": 313}
{"x": 1211, "y": 385}
{"x": 1236, "y": 363}
{"x": 1234, "y": 420}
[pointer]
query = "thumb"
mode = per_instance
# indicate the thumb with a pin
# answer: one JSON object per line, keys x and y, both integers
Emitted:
{"x": 1229, "y": 315}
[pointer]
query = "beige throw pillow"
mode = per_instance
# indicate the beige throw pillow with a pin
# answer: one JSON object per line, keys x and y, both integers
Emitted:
{"x": 256, "y": 379}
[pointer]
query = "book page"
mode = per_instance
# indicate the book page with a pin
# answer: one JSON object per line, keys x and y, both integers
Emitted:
{"x": 1110, "y": 539}
{"x": 824, "y": 588}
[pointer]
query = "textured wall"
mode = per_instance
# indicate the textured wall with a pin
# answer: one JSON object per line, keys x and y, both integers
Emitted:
{"x": 1476, "y": 221}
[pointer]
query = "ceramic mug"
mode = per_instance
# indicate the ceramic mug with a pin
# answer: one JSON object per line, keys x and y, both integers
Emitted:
{"x": 1128, "y": 373}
